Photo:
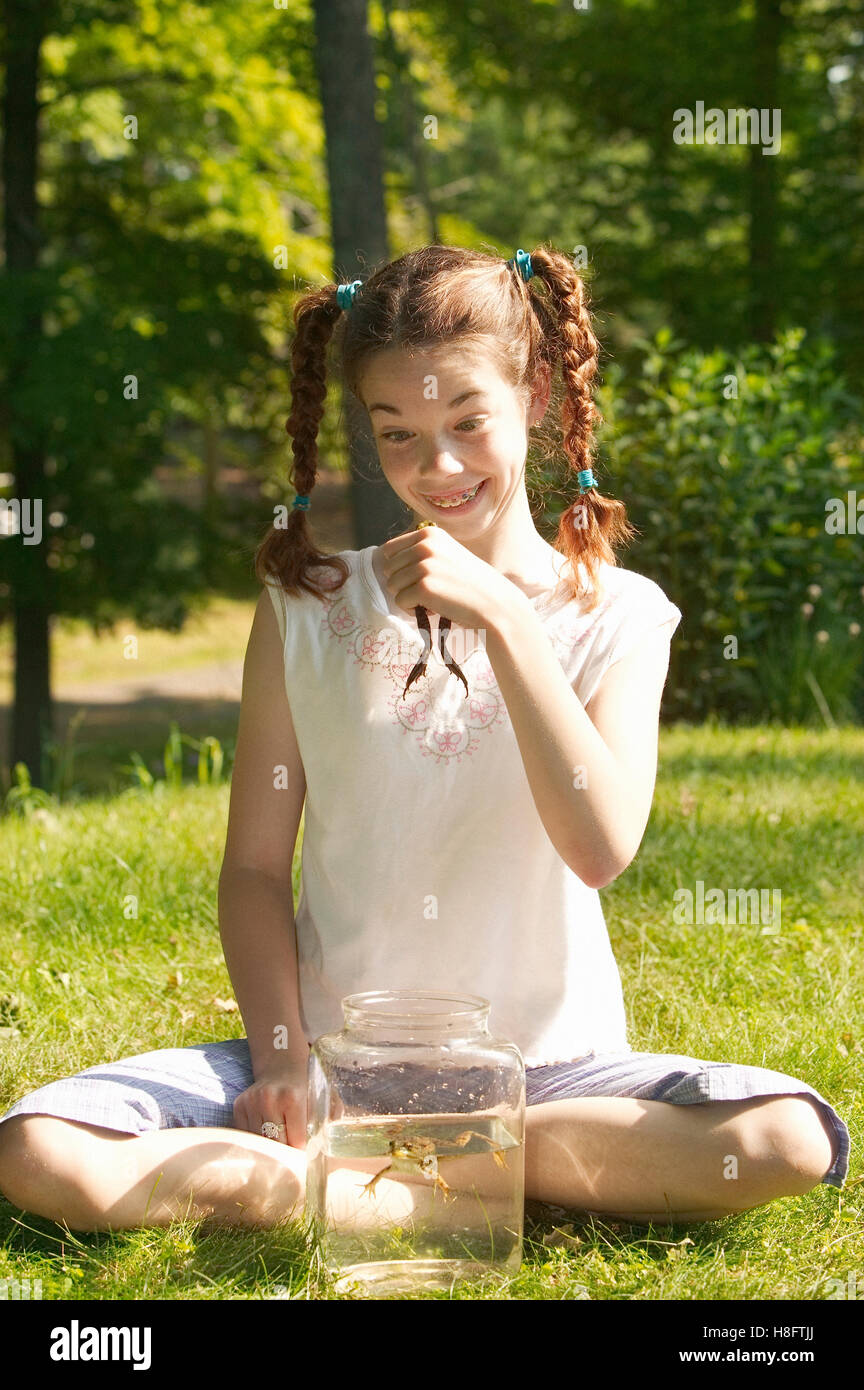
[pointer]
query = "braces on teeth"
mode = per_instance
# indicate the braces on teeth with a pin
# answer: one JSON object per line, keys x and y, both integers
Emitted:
{"x": 456, "y": 501}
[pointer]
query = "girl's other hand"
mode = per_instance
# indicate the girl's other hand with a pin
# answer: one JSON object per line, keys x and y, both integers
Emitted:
{"x": 279, "y": 1096}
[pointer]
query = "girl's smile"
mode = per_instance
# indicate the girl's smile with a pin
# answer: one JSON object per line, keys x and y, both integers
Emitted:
{"x": 459, "y": 502}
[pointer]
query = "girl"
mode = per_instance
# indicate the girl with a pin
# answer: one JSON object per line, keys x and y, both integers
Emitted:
{"x": 461, "y": 813}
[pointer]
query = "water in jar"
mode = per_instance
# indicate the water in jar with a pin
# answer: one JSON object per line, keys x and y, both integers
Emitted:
{"x": 413, "y": 1201}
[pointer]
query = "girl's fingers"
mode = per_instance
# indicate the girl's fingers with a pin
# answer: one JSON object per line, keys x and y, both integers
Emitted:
{"x": 295, "y": 1130}
{"x": 295, "y": 1120}
{"x": 249, "y": 1117}
{"x": 274, "y": 1112}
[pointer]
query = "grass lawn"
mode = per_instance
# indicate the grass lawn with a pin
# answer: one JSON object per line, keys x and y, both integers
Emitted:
{"x": 80, "y": 983}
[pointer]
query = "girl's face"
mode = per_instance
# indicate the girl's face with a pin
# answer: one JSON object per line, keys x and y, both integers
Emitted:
{"x": 446, "y": 423}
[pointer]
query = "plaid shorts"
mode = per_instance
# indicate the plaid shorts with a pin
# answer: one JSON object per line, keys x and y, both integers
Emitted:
{"x": 192, "y": 1086}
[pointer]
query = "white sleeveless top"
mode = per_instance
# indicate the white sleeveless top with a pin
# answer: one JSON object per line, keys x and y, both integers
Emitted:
{"x": 425, "y": 864}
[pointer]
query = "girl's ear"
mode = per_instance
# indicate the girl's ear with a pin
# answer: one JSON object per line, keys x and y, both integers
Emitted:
{"x": 540, "y": 394}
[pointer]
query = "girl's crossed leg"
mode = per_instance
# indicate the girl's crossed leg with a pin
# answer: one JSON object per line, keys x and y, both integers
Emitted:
{"x": 637, "y": 1160}
{"x": 650, "y": 1160}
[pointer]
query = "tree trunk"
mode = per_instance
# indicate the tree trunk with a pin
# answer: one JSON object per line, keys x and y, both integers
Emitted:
{"x": 210, "y": 499}
{"x": 763, "y": 175}
{"x": 346, "y": 74}
{"x": 411, "y": 118}
{"x": 30, "y": 576}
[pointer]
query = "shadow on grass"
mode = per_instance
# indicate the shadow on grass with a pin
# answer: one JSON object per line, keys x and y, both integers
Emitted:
{"x": 187, "y": 1259}
{"x": 543, "y": 1223}
{"x": 566, "y": 1254}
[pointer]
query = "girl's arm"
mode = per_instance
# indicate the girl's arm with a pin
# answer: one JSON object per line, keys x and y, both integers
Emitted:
{"x": 610, "y": 745}
{"x": 256, "y": 902}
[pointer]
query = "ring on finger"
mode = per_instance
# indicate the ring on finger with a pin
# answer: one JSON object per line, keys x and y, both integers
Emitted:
{"x": 271, "y": 1130}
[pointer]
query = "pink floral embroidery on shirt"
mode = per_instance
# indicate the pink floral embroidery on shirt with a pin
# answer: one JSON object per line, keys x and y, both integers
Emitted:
{"x": 342, "y": 620}
{"x": 444, "y": 724}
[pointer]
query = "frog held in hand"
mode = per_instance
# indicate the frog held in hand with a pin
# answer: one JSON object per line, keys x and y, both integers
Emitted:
{"x": 422, "y": 617}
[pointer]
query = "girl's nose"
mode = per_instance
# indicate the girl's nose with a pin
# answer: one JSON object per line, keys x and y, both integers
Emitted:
{"x": 439, "y": 484}
{"x": 437, "y": 464}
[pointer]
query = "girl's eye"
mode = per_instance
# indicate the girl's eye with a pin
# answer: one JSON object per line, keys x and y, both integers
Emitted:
{"x": 475, "y": 421}
{"x": 467, "y": 426}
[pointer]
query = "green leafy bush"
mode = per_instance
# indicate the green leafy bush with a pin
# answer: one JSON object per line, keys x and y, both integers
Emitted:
{"x": 726, "y": 462}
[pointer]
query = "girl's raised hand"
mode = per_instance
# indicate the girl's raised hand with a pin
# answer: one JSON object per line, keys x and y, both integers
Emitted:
{"x": 280, "y": 1097}
{"x": 430, "y": 569}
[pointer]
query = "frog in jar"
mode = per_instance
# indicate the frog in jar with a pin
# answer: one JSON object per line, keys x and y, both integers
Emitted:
{"x": 419, "y": 1153}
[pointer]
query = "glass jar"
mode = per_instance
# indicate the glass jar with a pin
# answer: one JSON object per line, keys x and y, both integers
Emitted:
{"x": 415, "y": 1145}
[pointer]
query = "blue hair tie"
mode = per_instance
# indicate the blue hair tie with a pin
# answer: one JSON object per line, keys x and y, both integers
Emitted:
{"x": 301, "y": 501}
{"x": 522, "y": 262}
{"x": 347, "y": 293}
{"x": 586, "y": 479}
